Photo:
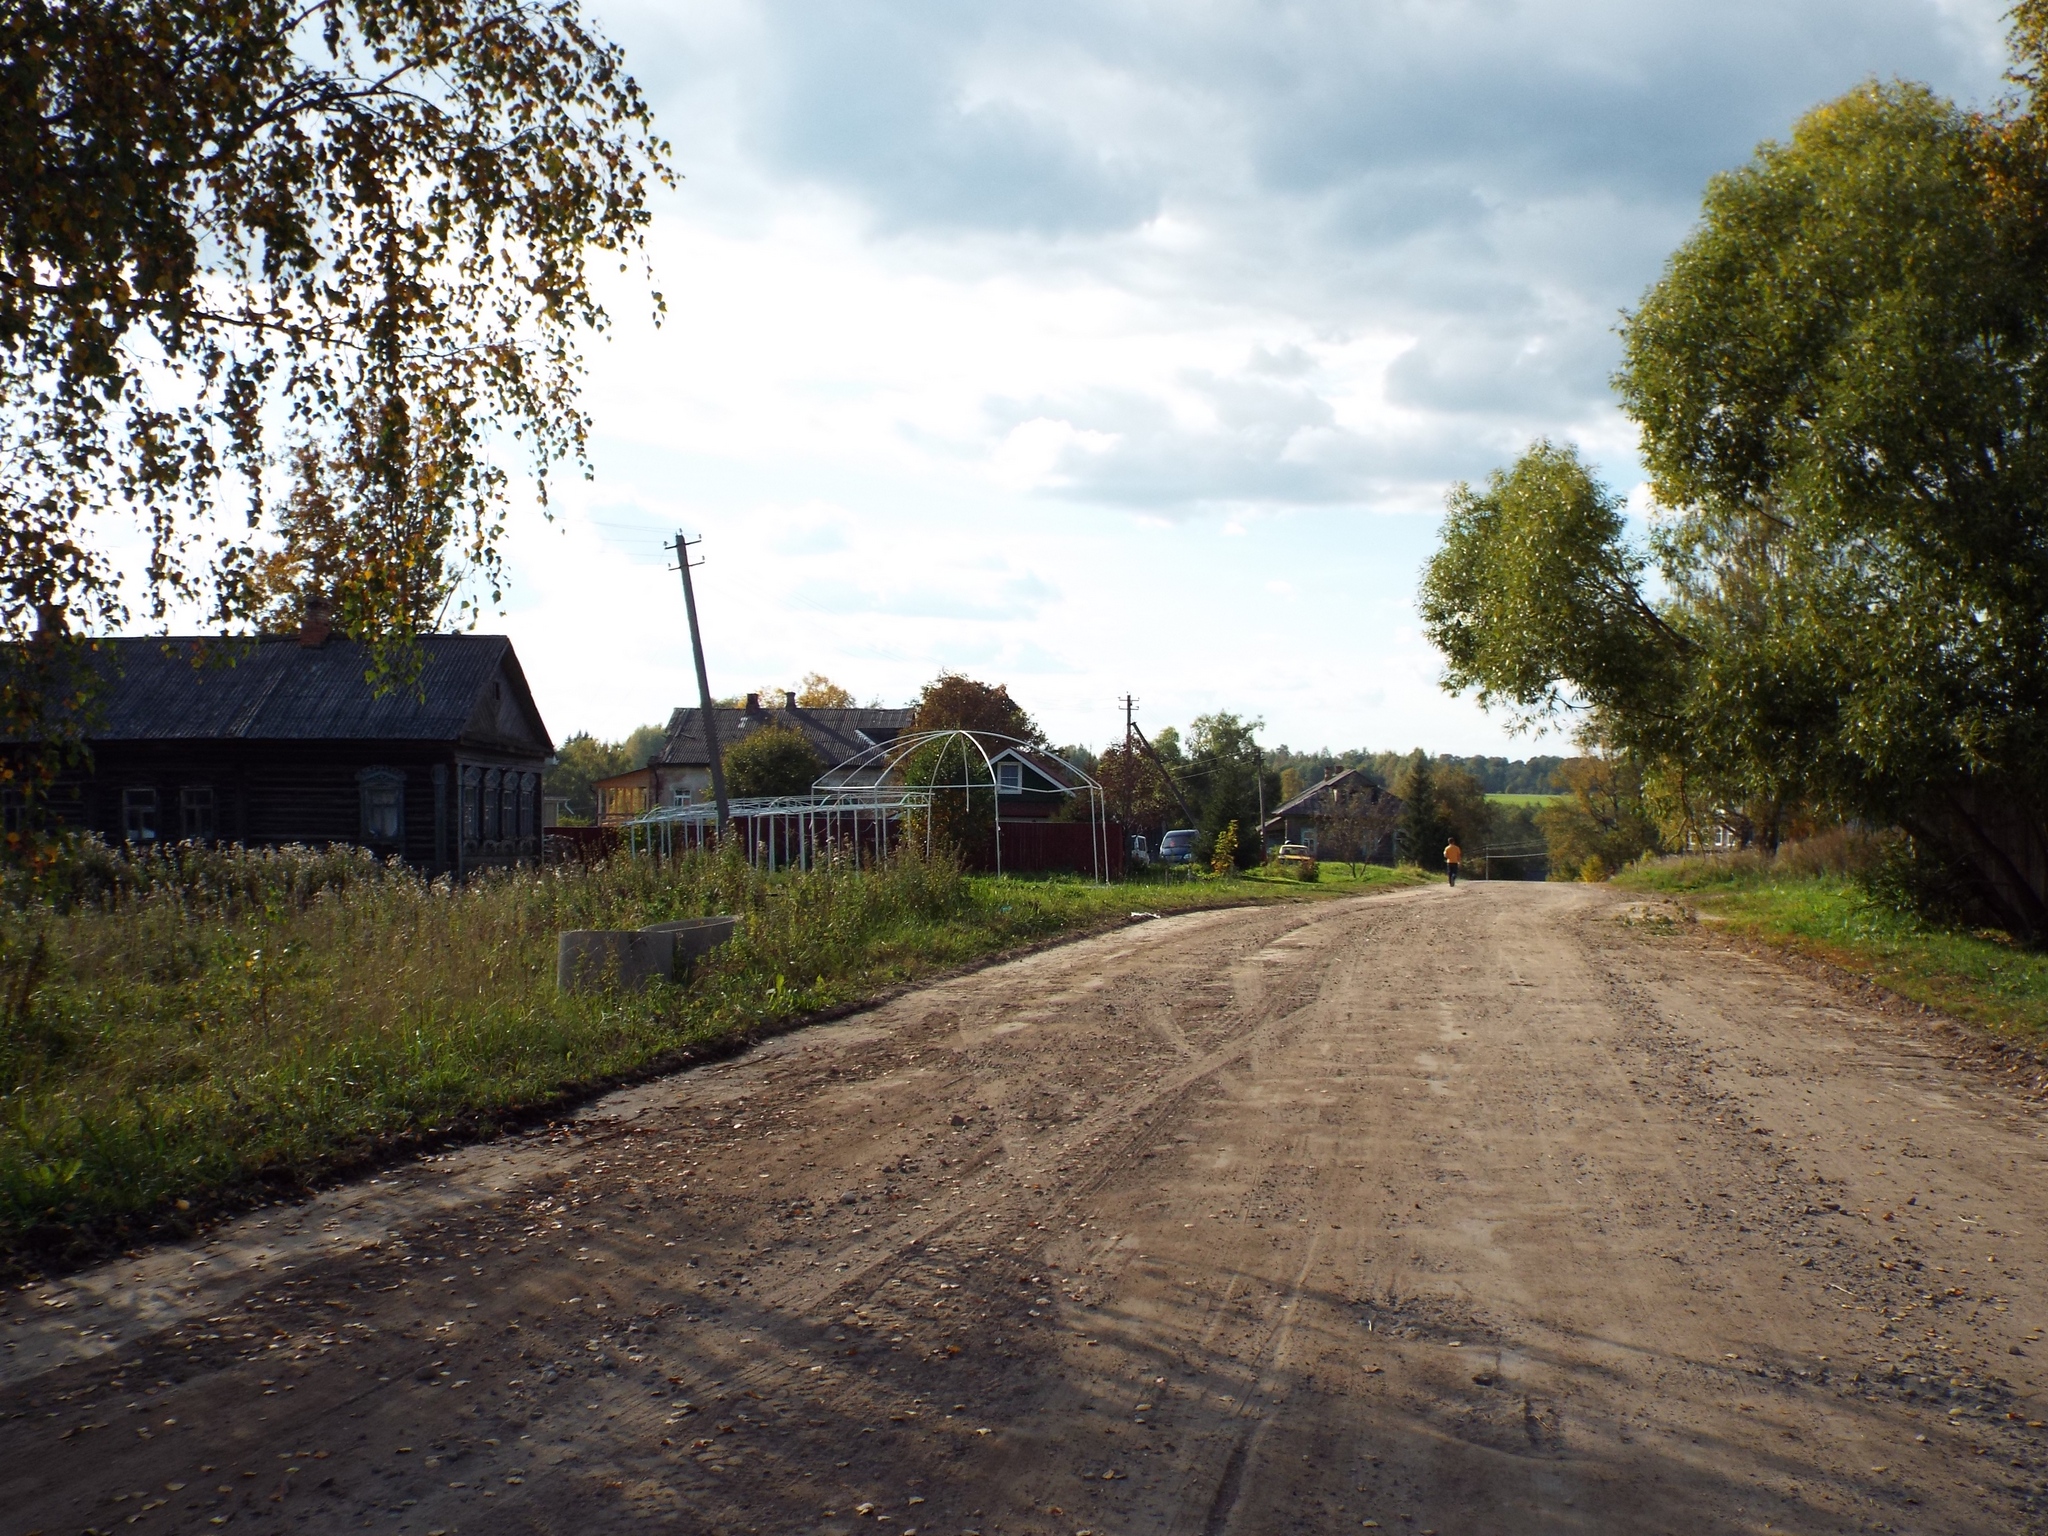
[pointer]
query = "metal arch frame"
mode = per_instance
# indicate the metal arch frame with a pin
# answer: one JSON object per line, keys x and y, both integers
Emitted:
{"x": 837, "y": 807}
{"x": 887, "y": 759}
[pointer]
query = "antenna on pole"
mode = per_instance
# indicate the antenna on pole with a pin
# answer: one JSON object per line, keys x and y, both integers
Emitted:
{"x": 682, "y": 548}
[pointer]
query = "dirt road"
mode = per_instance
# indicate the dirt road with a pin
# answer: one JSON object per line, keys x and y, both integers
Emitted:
{"x": 1456, "y": 1211}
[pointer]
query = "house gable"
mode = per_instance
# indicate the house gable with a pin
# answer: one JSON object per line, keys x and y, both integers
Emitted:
{"x": 504, "y": 717}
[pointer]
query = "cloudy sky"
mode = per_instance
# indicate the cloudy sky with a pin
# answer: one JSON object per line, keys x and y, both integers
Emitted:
{"x": 1128, "y": 347}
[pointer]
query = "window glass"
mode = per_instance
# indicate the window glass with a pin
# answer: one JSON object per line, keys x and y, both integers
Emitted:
{"x": 1010, "y": 777}
{"x": 138, "y": 815}
{"x": 195, "y": 813}
{"x": 383, "y": 805}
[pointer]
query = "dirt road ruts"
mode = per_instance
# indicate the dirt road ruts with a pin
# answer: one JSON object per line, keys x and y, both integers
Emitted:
{"x": 1456, "y": 1211}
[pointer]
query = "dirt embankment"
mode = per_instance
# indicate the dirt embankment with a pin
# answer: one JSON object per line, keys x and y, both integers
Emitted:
{"x": 1472, "y": 1211}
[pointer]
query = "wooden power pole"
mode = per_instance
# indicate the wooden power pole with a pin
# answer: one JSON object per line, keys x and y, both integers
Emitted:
{"x": 682, "y": 548}
{"x": 1130, "y": 706}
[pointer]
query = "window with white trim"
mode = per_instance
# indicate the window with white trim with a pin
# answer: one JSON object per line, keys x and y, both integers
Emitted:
{"x": 1010, "y": 778}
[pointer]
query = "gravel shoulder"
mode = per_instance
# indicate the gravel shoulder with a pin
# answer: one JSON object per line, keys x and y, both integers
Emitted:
{"x": 1502, "y": 1209}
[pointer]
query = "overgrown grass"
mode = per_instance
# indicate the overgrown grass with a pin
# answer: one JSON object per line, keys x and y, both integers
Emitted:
{"x": 1536, "y": 802}
{"x": 189, "y": 1030}
{"x": 1807, "y": 901}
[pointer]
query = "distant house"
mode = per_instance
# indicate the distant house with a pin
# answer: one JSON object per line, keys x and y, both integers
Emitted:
{"x": 1346, "y": 815}
{"x": 1031, "y": 786}
{"x": 682, "y": 769}
{"x": 282, "y": 740}
{"x": 623, "y": 796}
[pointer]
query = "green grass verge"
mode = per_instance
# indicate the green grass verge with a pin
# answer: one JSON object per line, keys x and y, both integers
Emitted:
{"x": 1333, "y": 878}
{"x": 1538, "y": 801}
{"x": 1981, "y": 977}
{"x": 195, "y": 1031}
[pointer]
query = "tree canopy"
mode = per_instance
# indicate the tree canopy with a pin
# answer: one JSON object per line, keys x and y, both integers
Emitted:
{"x": 954, "y": 702}
{"x": 778, "y": 760}
{"x": 360, "y": 230}
{"x": 1839, "y": 381}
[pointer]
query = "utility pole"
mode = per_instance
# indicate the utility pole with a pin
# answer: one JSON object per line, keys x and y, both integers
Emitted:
{"x": 1260, "y": 771}
{"x": 1130, "y": 705}
{"x": 682, "y": 548}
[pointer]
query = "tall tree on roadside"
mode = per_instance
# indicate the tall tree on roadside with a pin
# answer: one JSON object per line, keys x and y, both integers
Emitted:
{"x": 364, "y": 224}
{"x": 1843, "y": 408}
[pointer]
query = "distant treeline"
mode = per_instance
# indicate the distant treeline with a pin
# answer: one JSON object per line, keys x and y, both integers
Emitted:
{"x": 1496, "y": 775}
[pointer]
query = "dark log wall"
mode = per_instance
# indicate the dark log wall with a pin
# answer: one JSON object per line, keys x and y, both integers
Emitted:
{"x": 298, "y": 792}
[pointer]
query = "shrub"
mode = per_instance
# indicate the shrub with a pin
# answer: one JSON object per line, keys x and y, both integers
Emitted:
{"x": 1848, "y": 852}
{"x": 775, "y": 760}
{"x": 1223, "y": 859}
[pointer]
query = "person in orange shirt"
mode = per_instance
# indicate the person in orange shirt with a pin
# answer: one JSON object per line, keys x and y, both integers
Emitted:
{"x": 1453, "y": 857}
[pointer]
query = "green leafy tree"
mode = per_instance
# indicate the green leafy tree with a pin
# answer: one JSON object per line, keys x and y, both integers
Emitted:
{"x": 776, "y": 760}
{"x": 1838, "y": 386}
{"x": 960, "y": 821}
{"x": 1224, "y": 767}
{"x": 1461, "y": 802}
{"x": 1604, "y": 825}
{"x": 583, "y": 759}
{"x": 954, "y": 702}
{"x": 362, "y": 225}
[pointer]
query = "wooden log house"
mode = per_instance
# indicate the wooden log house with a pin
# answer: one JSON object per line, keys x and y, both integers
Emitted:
{"x": 282, "y": 739}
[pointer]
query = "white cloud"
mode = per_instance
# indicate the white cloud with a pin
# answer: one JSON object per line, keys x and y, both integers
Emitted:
{"x": 1106, "y": 348}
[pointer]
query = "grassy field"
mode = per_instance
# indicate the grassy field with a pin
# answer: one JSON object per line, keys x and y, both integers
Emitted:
{"x": 1535, "y": 801}
{"x": 196, "y": 1030}
{"x": 1981, "y": 977}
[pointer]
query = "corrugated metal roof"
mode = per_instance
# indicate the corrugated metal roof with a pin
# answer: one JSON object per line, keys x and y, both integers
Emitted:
{"x": 838, "y": 734}
{"x": 183, "y": 688}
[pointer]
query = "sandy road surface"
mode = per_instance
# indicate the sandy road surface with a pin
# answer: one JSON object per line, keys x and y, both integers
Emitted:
{"x": 1472, "y": 1211}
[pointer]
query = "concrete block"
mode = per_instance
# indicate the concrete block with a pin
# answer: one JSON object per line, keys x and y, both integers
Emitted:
{"x": 593, "y": 959}
{"x": 696, "y": 936}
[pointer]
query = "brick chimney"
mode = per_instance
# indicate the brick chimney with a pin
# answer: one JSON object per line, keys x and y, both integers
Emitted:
{"x": 318, "y": 622}
{"x": 789, "y": 698}
{"x": 753, "y": 703}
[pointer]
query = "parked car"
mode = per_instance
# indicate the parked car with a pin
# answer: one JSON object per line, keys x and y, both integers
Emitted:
{"x": 1289, "y": 855}
{"x": 1139, "y": 854}
{"x": 1178, "y": 846}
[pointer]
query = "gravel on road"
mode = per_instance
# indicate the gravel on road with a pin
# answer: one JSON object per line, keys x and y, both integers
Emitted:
{"x": 1515, "y": 1208}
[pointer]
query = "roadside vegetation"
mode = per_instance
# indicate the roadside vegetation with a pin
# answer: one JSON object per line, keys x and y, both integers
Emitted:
{"x": 202, "y": 1027}
{"x": 1834, "y": 617}
{"x": 1854, "y": 902}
